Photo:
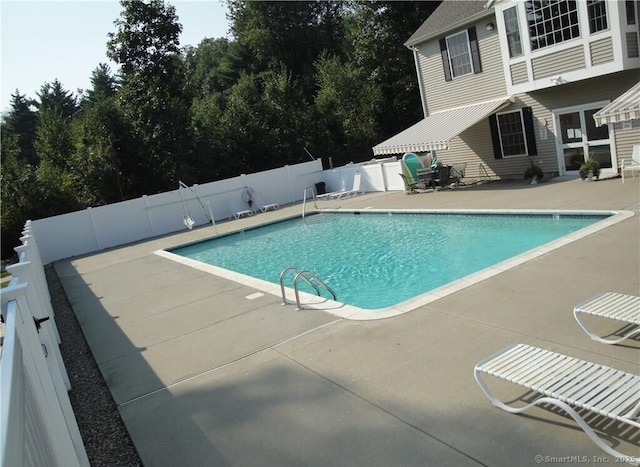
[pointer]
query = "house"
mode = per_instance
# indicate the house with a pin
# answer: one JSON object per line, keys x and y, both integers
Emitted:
{"x": 506, "y": 83}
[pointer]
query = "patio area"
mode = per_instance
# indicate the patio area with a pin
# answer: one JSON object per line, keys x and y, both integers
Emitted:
{"x": 206, "y": 371}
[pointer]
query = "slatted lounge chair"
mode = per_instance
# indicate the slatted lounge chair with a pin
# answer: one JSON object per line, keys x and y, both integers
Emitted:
{"x": 634, "y": 165}
{"x": 356, "y": 190}
{"x": 269, "y": 207}
{"x": 614, "y": 306}
{"x": 567, "y": 383}
{"x": 246, "y": 212}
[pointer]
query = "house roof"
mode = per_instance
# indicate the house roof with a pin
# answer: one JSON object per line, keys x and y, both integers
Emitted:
{"x": 449, "y": 15}
{"x": 435, "y": 131}
{"x": 624, "y": 108}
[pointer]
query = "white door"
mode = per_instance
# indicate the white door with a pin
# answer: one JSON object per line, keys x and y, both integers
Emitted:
{"x": 578, "y": 139}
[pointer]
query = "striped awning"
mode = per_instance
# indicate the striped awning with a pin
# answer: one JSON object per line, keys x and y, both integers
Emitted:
{"x": 624, "y": 108}
{"x": 436, "y": 130}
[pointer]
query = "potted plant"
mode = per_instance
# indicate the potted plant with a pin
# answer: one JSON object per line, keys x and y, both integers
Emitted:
{"x": 534, "y": 173}
{"x": 589, "y": 169}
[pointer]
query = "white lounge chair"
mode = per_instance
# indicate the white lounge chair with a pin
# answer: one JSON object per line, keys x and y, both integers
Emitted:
{"x": 567, "y": 383}
{"x": 633, "y": 165}
{"x": 356, "y": 190}
{"x": 269, "y": 207}
{"x": 614, "y": 306}
{"x": 245, "y": 213}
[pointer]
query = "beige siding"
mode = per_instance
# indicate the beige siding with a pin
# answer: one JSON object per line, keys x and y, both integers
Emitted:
{"x": 474, "y": 145}
{"x": 519, "y": 73}
{"x": 559, "y": 62}
{"x": 601, "y": 51}
{"x": 632, "y": 44}
{"x": 468, "y": 89}
{"x": 626, "y": 139}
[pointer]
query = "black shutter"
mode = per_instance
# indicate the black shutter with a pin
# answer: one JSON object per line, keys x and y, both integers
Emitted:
{"x": 529, "y": 134}
{"x": 495, "y": 136}
{"x": 445, "y": 59}
{"x": 475, "y": 51}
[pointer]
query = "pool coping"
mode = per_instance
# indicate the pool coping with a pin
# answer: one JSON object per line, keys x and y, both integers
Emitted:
{"x": 355, "y": 313}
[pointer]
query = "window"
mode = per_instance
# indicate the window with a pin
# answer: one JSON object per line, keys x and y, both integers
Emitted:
{"x": 551, "y": 22}
{"x": 631, "y": 12}
{"x": 512, "y": 133}
{"x": 460, "y": 54}
{"x": 597, "y": 15}
{"x": 513, "y": 32}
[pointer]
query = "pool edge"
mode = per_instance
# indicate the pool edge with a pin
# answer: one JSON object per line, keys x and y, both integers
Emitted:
{"x": 354, "y": 313}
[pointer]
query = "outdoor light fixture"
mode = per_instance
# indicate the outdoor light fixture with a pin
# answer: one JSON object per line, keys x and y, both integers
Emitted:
{"x": 490, "y": 26}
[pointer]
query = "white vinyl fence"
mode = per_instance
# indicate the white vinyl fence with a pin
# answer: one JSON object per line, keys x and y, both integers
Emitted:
{"x": 37, "y": 423}
{"x": 98, "y": 228}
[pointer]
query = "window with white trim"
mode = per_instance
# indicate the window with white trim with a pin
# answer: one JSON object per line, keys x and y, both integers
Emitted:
{"x": 597, "y": 10}
{"x": 512, "y": 26}
{"x": 511, "y": 131}
{"x": 551, "y": 22}
{"x": 459, "y": 54}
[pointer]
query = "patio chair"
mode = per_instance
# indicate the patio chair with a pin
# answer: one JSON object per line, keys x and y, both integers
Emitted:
{"x": 426, "y": 177}
{"x": 457, "y": 172}
{"x": 410, "y": 187}
{"x": 568, "y": 383}
{"x": 355, "y": 190}
{"x": 443, "y": 176}
{"x": 613, "y": 306}
{"x": 634, "y": 165}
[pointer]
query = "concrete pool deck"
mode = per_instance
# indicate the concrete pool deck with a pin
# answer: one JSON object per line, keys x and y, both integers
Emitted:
{"x": 206, "y": 371}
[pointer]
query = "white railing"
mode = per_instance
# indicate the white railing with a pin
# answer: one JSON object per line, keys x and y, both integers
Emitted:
{"x": 37, "y": 423}
{"x": 95, "y": 229}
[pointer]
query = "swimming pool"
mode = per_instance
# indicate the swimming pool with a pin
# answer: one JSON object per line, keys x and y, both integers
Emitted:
{"x": 386, "y": 262}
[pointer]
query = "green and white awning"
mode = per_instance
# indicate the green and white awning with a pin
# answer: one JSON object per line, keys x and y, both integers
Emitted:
{"x": 435, "y": 131}
{"x": 623, "y": 109}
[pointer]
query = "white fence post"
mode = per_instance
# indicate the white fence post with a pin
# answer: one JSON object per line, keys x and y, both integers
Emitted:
{"x": 49, "y": 435}
{"x": 37, "y": 423}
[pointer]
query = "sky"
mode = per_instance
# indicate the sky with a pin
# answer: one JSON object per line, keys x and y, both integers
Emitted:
{"x": 66, "y": 40}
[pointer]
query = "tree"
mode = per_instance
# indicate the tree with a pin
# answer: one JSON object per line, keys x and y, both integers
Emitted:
{"x": 21, "y": 122}
{"x": 55, "y": 99}
{"x": 289, "y": 33}
{"x": 376, "y": 33}
{"x": 214, "y": 66}
{"x": 103, "y": 155}
{"x": 348, "y": 112}
{"x": 146, "y": 45}
{"x": 104, "y": 84}
{"x": 17, "y": 193}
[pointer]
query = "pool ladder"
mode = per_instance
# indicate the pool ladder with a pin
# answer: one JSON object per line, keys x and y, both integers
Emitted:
{"x": 307, "y": 276}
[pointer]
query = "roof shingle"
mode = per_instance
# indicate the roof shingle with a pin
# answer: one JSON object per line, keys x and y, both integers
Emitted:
{"x": 449, "y": 13}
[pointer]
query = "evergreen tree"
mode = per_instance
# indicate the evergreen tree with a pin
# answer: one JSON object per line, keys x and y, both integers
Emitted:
{"x": 104, "y": 84}
{"x": 55, "y": 99}
{"x": 20, "y": 122}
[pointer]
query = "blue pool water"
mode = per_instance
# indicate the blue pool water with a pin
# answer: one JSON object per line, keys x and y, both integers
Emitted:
{"x": 376, "y": 260}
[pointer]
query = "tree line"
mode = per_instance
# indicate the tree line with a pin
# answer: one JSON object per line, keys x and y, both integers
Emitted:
{"x": 332, "y": 78}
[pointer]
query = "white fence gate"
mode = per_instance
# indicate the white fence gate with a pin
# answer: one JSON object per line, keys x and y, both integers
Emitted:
{"x": 37, "y": 423}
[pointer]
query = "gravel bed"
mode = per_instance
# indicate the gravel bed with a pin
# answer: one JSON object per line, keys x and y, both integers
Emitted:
{"x": 105, "y": 437}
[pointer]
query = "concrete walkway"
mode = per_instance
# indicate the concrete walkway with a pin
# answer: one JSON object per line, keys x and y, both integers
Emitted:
{"x": 206, "y": 371}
